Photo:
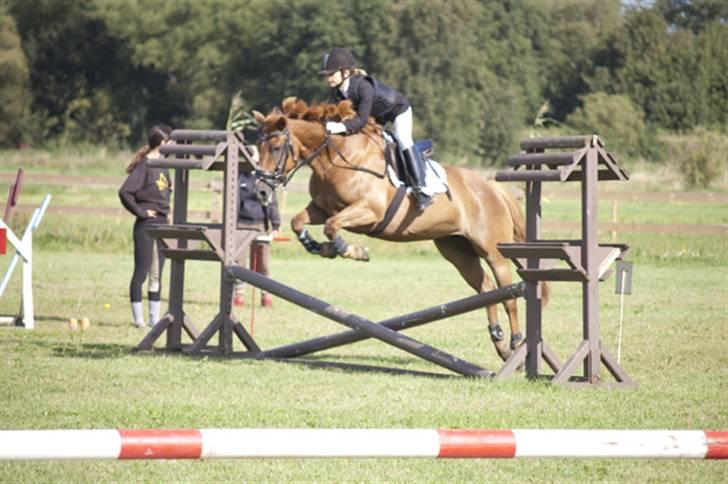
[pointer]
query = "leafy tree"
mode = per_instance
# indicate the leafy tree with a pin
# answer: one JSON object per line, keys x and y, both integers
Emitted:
{"x": 578, "y": 30}
{"x": 694, "y": 15}
{"x": 14, "y": 92}
{"x": 614, "y": 118}
{"x": 711, "y": 65}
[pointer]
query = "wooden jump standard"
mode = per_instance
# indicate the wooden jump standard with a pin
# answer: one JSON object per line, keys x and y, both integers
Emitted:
{"x": 588, "y": 261}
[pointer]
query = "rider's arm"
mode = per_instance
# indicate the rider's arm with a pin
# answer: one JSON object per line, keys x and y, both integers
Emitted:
{"x": 363, "y": 110}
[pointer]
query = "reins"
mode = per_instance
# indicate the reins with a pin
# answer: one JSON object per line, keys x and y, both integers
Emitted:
{"x": 278, "y": 176}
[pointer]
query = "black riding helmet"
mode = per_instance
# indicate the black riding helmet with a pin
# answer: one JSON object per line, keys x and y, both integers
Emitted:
{"x": 338, "y": 58}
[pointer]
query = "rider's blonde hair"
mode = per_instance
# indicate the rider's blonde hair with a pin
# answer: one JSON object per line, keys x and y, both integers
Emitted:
{"x": 358, "y": 72}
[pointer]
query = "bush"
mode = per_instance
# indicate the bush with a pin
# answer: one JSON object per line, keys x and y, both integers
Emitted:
{"x": 700, "y": 156}
{"x": 615, "y": 119}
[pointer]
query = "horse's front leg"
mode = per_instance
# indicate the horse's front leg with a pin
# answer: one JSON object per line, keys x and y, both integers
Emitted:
{"x": 311, "y": 215}
{"x": 356, "y": 215}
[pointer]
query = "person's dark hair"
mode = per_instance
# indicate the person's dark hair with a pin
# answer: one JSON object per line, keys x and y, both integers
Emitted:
{"x": 155, "y": 136}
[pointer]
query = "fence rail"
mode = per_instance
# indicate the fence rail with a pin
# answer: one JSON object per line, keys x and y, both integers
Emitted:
{"x": 113, "y": 182}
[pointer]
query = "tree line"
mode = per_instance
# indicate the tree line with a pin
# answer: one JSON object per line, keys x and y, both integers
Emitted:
{"x": 476, "y": 71}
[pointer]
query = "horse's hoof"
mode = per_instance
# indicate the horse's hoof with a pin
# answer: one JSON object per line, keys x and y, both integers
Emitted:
{"x": 503, "y": 350}
{"x": 357, "y": 253}
{"x": 517, "y": 340}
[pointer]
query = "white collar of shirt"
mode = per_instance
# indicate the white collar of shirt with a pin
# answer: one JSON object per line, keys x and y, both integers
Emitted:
{"x": 344, "y": 87}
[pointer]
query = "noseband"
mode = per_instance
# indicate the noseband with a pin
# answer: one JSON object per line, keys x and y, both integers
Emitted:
{"x": 278, "y": 176}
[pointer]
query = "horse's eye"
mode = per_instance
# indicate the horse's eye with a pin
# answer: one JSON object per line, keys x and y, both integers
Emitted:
{"x": 275, "y": 149}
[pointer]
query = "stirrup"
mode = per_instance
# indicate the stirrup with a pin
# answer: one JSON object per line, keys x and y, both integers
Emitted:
{"x": 424, "y": 201}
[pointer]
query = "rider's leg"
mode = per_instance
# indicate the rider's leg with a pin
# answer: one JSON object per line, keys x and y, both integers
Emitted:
{"x": 413, "y": 158}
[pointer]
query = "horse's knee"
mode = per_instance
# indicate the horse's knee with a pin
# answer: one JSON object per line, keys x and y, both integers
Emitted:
{"x": 297, "y": 225}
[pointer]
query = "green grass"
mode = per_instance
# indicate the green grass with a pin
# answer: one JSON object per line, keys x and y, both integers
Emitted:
{"x": 675, "y": 347}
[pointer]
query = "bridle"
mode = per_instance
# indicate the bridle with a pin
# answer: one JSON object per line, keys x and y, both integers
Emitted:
{"x": 278, "y": 177}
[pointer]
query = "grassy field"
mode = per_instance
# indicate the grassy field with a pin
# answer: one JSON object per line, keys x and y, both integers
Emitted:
{"x": 675, "y": 346}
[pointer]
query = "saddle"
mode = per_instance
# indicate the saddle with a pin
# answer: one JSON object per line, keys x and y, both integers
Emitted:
{"x": 397, "y": 171}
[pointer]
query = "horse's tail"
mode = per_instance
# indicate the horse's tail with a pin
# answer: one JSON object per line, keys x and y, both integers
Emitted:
{"x": 519, "y": 231}
{"x": 514, "y": 208}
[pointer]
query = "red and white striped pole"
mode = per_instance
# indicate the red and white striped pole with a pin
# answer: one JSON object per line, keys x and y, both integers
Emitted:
{"x": 352, "y": 443}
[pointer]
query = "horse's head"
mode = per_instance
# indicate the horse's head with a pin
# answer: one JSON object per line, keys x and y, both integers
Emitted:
{"x": 278, "y": 149}
{"x": 295, "y": 136}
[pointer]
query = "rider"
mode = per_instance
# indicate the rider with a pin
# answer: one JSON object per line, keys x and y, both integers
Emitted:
{"x": 373, "y": 98}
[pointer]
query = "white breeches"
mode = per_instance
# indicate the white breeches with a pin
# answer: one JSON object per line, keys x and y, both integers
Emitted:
{"x": 403, "y": 128}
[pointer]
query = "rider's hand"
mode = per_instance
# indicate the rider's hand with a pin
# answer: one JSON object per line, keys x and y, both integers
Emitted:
{"x": 335, "y": 128}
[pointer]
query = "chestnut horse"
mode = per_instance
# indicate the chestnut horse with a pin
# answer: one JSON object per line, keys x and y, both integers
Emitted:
{"x": 349, "y": 191}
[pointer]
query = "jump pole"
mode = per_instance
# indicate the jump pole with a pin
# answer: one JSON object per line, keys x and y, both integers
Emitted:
{"x": 362, "y": 443}
{"x": 358, "y": 323}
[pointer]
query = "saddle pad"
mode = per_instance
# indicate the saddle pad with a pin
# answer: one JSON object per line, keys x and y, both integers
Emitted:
{"x": 435, "y": 178}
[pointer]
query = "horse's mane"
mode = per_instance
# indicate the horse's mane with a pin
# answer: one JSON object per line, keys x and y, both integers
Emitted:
{"x": 294, "y": 108}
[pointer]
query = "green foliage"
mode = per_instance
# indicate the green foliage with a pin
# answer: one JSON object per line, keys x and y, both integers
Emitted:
{"x": 693, "y": 14}
{"x": 700, "y": 156}
{"x": 576, "y": 33}
{"x": 476, "y": 71}
{"x": 14, "y": 89}
{"x": 614, "y": 118}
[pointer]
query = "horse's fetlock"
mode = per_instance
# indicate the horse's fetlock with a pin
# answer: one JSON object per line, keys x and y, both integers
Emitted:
{"x": 496, "y": 332}
{"x": 340, "y": 245}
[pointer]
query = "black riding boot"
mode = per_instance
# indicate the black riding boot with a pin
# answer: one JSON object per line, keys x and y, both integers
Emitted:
{"x": 416, "y": 170}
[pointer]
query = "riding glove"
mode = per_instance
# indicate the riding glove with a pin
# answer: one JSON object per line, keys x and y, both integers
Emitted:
{"x": 335, "y": 128}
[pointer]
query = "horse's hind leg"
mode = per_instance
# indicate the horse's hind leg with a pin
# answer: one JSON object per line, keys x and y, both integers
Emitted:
{"x": 466, "y": 260}
{"x": 501, "y": 268}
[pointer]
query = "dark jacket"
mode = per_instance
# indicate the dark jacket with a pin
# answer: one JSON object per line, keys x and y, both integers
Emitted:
{"x": 146, "y": 188}
{"x": 371, "y": 98}
{"x": 251, "y": 210}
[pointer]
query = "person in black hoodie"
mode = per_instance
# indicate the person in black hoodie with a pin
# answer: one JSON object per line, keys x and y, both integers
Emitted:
{"x": 371, "y": 97}
{"x": 146, "y": 194}
{"x": 254, "y": 214}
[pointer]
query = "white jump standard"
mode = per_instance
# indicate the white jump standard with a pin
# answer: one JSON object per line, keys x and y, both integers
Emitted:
{"x": 23, "y": 250}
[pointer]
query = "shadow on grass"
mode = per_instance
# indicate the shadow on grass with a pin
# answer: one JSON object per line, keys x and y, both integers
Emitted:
{"x": 311, "y": 362}
{"x": 357, "y": 368}
{"x": 94, "y": 351}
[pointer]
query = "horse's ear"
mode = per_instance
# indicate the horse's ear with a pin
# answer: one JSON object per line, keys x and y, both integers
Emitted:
{"x": 259, "y": 117}
{"x": 280, "y": 123}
